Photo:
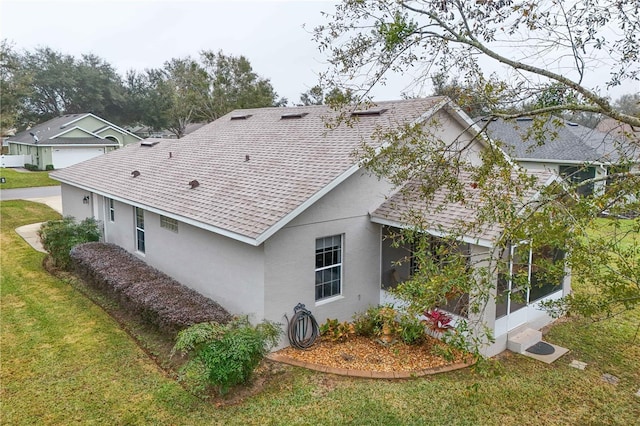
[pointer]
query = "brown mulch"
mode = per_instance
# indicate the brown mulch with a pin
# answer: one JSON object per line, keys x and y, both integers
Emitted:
{"x": 363, "y": 353}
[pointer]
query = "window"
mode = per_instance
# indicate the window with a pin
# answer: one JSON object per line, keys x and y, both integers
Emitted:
{"x": 169, "y": 223}
{"x": 328, "y": 267}
{"x": 111, "y": 209}
{"x": 140, "y": 229}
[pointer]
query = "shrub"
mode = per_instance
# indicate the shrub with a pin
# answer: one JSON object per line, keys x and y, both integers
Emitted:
{"x": 48, "y": 167}
{"x": 337, "y": 331}
{"x": 371, "y": 322}
{"x": 411, "y": 330}
{"x": 60, "y": 236}
{"x": 226, "y": 355}
{"x": 31, "y": 167}
{"x": 146, "y": 292}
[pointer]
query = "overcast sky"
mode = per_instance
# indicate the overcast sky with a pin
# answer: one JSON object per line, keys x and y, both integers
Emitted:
{"x": 139, "y": 34}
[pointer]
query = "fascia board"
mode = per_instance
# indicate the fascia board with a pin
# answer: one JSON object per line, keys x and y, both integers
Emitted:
{"x": 469, "y": 240}
{"x": 189, "y": 221}
{"x": 75, "y": 128}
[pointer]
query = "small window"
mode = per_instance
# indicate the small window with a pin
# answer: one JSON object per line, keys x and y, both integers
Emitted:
{"x": 328, "y": 267}
{"x": 112, "y": 211}
{"x": 169, "y": 223}
{"x": 140, "y": 245}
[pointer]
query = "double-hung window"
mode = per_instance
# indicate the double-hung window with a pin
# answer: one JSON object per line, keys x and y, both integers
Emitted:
{"x": 140, "y": 229}
{"x": 328, "y": 267}
{"x": 111, "y": 210}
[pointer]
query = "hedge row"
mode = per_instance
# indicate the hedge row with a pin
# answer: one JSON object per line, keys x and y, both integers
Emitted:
{"x": 145, "y": 291}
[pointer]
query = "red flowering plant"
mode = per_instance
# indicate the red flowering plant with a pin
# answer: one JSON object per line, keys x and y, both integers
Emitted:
{"x": 438, "y": 321}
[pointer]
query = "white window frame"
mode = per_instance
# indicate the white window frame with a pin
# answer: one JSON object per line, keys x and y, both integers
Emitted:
{"x": 111, "y": 211}
{"x": 339, "y": 264}
{"x": 169, "y": 223}
{"x": 139, "y": 225}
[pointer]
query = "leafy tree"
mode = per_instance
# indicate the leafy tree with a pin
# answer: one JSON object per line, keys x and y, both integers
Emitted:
{"x": 61, "y": 84}
{"x": 317, "y": 96}
{"x": 529, "y": 41}
{"x": 60, "y": 236}
{"x": 233, "y": 84}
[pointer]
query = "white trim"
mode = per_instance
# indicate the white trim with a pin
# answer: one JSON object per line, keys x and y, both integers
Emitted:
{"x": 75, "y": 128}
{"x": 330, "y": 299}
{"x": 64, "y": 144}
{"x": 108, "y": 123}
{"x": 188, "y": 221}
{"x": 563, "y": 162}
{"x": 465, "y": 239}
{"x": 306, "y": 204}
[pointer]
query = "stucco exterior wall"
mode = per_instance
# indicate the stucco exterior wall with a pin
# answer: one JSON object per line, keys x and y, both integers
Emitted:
{"x": 225, "y": 270}
{"x": 73, "y": 204}
{"x": 290, "y": 254}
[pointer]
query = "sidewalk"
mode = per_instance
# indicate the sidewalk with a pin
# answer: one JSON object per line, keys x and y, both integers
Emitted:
{"x": 29, "y": 233}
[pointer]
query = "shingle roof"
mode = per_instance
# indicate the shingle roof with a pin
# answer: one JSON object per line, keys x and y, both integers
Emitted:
{"x": 252, "y": 172}
{"x": 78, "y": 141}
{"x": 565, "y": 142}
{"x": 442, "y": 217}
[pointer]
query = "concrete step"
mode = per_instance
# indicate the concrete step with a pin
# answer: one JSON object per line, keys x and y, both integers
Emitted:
{"x": 519, "y": 340}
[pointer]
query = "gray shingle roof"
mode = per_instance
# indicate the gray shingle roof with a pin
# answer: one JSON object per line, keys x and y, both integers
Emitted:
{"x": 564, "y": 142}
{"x": 442, "y": 217}
{"x": 252, "y": 173}
{"x": 78, "y": 141}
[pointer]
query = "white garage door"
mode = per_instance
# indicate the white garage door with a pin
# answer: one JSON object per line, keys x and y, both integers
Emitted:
{"x": 65, "y": 157}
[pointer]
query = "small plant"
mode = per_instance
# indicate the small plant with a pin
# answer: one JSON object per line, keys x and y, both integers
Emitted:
{"x": 337, "y": 331}
{"x": 367, "y": 323}
{"x": 60, "y": 236}
{"x": 48, "y": 167}
{"x": 411, "y": 330}
{"x": 225, "y": 355}
{"x": 31, "y": 167}
{"x": 438, "y": 321}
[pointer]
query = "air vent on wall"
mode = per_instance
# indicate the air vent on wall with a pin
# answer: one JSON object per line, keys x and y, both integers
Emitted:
{"x": 367, "y": 112}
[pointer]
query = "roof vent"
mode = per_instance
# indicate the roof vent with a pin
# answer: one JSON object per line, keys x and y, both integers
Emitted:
{"x": 288, "y": 115}
{"x": 572, "y": 124}
{"x": 246, "y": 158}
{"x": 240, "y": 116}
{"x": 194, "y": 184}
{"x": 135, "y": 173}
{"x": 366, "y": 112}
{"x": 524, "y": 119}
{"x": 148, "y": 142}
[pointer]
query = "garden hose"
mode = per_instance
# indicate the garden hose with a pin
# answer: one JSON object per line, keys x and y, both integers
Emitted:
{"x": 303, "y": 328}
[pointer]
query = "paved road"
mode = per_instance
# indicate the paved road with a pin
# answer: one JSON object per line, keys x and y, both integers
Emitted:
{"x": 28, "y": 193}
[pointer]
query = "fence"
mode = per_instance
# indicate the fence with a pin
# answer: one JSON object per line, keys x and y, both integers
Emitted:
{"x": 14, "y": 160}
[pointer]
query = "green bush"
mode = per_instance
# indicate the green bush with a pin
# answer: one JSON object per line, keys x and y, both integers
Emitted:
{"x": 60, "y": 236}
{"x": 336, "y": 331}
{"x": 48, "y": 167}
{"x": 411, "y": 330}
{"x": 225, "y": 355}
{"x": 31, "y": 167}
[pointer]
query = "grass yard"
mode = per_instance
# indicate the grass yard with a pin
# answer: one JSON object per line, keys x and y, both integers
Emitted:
{"x": 65, "y": 361}
{"x": 25, "y": 179}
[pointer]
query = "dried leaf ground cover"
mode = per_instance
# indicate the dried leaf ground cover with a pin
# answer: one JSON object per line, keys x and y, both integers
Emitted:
{"x": 362, "y": 353}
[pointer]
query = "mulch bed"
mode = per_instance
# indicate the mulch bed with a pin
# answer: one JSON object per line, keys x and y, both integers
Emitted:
{"x": 365, "y": 354}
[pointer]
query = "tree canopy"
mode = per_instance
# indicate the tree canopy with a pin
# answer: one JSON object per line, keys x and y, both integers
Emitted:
{"x": 504, "y": 59}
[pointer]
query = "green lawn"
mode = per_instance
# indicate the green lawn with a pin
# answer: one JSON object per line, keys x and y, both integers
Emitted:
{"x": 65, "y": 361}
{"x": 25, "y": 179}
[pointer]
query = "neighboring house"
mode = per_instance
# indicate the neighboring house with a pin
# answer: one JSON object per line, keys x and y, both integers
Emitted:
{"x": 568, "y": 149}
{"x": 67, "y": 140}
{"x": 266, "y": 208}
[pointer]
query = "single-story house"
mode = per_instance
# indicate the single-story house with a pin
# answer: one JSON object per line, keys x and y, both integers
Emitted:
{"x": 266, "y": 208}
{"x": 67, "y": 140}
{"x": 569, "y": 149}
